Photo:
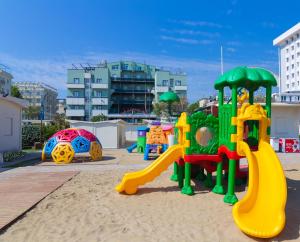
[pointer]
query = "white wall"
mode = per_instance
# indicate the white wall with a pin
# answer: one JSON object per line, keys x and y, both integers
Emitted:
{"x": 10, "y": 126}
{"x": 285, "y": 121}
{"x": 110, "y": 134}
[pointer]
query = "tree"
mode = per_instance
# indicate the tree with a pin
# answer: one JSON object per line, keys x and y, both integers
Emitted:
{"x": 15, "y": 92}
{"x": 180, "y": 106}
{"x": 169, "y": 98}
{"x": 60, "y": 122}
{"x": 32, "y": 112}
{"x": 99, "y": 118}
{"x": 192, "y": 107}
{"x": 160, "y": 109}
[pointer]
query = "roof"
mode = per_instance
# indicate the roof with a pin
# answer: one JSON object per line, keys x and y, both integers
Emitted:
{"x": 114, "y": 121}
{"x": 250, "y": 78}
{"x": 287, "y": 34}
{"x": 169, "y": 97}
{"x": 20, "y": 102}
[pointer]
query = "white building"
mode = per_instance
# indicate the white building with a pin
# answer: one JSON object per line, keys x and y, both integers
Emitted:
{"x": 10, "y": 120}
{"x": 38, "y": 94}
{"x": 289, "y": 57}
{"x": 5, "y": 81}
{"x": 111, "y": 133}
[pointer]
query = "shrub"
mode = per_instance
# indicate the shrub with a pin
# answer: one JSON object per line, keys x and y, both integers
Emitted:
{"x": 30, "y": 135}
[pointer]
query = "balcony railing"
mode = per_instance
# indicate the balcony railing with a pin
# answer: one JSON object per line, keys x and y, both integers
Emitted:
{"x": 75, "y": 112}
{"x": 75, "y": 85}
{"x": 126, "y": 101}
{"x": 132, "y": 79}
{"x": 120, "y": 90}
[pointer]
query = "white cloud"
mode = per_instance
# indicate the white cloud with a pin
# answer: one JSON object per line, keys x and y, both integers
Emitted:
{"x": 191, "y": 32}
{"x": 186, "y": 40}
{"x": 53, "y": 71}
{"x": 268, "y": 24}
{"x": 197, "y": 23}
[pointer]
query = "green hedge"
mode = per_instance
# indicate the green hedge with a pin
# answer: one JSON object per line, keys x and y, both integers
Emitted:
{"x": 30, "y": 135}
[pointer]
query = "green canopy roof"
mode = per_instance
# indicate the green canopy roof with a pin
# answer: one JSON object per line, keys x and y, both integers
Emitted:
{"x": 250, "y": 78}
{"x": 169, "y": 97}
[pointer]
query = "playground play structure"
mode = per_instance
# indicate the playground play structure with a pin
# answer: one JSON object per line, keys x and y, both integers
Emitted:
{"x": 153, "y": 139}
{"x": 63, "y": 145}
{"x": 215, "y": 144}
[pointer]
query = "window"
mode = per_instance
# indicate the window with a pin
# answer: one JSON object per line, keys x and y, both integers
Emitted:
{"x": 287, "y": 50}
{"x": 165, "y": 83}
{"x": 287, "y": 68}
{"x": 297, "y": 35}
{"x": 177, "y": 83}
{"x": 298, "y": 44}
{"x": 98, "y": 94}
{"x": 98, "y": 80}
{"x": 293, "y": 75}
{"x": 138, "y": 68}
{"x": 287, "y": 77}
{"x": 115, "y": 67}
{"x": 292, "y": 57}
{"x": 125, "y": 66}
{"x": 298, "y": 54}
{"x": 287, "y": 59}
{"x": 293, "y": 47}
{"x": 287, "y": 85}
{"x": 292, "y": 66}
{"x": 293, "y": 84}
{"x": 287, "y": 42}
{"x": 75, "y": 94}
{"x": 76, "y": 80}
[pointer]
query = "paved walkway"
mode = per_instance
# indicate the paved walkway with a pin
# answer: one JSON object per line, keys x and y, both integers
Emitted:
{"x": 19, "y": 192}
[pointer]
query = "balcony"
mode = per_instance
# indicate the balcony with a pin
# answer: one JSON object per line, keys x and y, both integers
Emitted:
{"x": 75, "y": 101}
{"x": 75, "y": 85}
{"x": 99, "y": 112}
{"x": 100, "y": 85}
{"x": 120, "y": 90}
{"x": 161, "y": 88}
{"x": 75, "y": 112}
{"x": 99, "y": 101}
{"x": 180, "y": 88}
{"x": 131, "y": 101}
{"x": 132, "y": 79}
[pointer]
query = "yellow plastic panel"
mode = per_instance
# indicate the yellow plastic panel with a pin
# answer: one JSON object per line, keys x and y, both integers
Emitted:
{"x": 261, "y": 213}
{"x": 131, "y": 181}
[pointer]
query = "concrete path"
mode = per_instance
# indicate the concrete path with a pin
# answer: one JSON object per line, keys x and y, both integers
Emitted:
{"x": 19, "y": 192}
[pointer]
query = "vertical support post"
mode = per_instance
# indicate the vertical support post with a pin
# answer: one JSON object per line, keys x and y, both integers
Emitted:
{"x": 219, "y": 189}
{"x": 174, "y": 176}
{"x": 268, "y": 104}
{"x": 180, "y": 175}
{"x": 230, "y": 196}
{"x": 187, "y": 188}
{"x": 208, "y": 181}
{"x": 251, "y": 96}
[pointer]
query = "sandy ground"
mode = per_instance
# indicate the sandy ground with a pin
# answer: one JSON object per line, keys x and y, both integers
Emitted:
{"x": 88, "y": 209}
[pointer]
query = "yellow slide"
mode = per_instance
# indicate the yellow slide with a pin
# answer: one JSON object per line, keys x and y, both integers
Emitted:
{"x": 131, "y": 181}
{"x": 261, "y": 213}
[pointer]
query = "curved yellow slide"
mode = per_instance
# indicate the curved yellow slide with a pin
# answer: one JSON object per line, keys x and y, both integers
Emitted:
{"x": 131, "y": 181}
{"x": 261, "y": 213}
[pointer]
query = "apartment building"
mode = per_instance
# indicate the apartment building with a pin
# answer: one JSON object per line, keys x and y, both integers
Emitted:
{"x": 288, "y": 45}
{"x": 5, "y": 81}
{"x": 61, "y": 106}
{"x": 39, "y": 94}
{"x": 123, "y": 89}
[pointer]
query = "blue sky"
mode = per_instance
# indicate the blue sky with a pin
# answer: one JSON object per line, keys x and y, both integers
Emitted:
{"x": 41, "y": 39}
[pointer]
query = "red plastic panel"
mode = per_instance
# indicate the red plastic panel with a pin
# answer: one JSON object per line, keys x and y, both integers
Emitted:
{"x": 66, "y": 135}
{"x": 87, "y": 134}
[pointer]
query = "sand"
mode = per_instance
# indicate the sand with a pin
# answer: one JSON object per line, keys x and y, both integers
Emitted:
{"x": 88, "y": 209}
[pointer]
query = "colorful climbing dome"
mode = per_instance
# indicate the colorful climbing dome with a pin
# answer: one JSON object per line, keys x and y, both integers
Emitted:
{"x": 64, "y": 144}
